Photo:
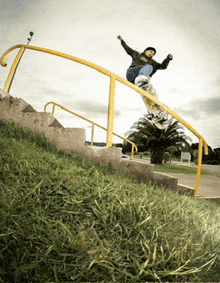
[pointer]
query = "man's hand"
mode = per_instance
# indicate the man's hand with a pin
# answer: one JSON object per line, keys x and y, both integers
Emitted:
{"x": 170, "y": 56}
{"x": 119, "y": 37}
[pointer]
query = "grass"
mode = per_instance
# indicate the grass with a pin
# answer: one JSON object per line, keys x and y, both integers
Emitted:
{"x": 176, "y": 168}
{"x": 64, "y": 219}
{"x": 179, "y": 169}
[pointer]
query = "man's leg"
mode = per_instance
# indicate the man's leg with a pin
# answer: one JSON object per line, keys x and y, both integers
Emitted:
{"x": 132, "y": 73}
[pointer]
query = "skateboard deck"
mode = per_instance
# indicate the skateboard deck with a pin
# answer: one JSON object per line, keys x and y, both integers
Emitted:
{"x": 156, "y": 115}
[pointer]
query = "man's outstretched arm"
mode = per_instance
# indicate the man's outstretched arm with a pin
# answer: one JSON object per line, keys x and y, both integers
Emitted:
{"x": 128, "y": 49}
{"x": 165, "y": 62}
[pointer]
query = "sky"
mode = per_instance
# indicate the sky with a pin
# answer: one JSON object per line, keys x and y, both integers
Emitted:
{"x": 88, "y": 29}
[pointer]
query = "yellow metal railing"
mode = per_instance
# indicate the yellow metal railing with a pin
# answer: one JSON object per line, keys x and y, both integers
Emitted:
{"x": 93, "y": 126}
{"x": 111, "y": 107}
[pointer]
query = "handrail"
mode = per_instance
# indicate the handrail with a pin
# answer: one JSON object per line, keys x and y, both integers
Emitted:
{"x": 93, "y": 124}
{"x": 111, "y": 108}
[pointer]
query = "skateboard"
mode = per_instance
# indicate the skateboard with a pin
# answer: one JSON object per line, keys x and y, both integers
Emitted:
{"x": 156, "y": 115}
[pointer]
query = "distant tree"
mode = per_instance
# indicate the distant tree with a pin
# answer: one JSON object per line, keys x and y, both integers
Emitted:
{"x": 170, "y": 152}
{"x": 194, "y": 146}
{"x": 149, "y": 137}
{"x": 213, "y": 156}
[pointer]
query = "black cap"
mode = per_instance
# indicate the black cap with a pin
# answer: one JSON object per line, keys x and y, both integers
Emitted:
{"x": 150, "y": 48}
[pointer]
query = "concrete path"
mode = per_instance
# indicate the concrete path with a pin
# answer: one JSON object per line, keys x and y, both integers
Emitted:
{"x": 209, "y": 185}
{"x": 215, "y": 169}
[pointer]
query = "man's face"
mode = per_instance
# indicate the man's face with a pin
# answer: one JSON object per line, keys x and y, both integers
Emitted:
{"x": 149, "y": 53}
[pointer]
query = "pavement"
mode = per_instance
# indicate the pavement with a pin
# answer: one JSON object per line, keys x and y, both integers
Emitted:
{"x": 209, "y": 186}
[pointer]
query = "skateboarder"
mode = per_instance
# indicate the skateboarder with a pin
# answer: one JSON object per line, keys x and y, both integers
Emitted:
{"x": 142, "y": 68}
{"x": 142, "y": 63}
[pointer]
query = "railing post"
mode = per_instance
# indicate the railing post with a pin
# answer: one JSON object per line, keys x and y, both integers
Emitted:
{"x": 13, "y": 70}
{"x": 111, "y": 111}
{"x": 132, "y": 152}
{"x": 199, "y": 169}
{"x": 53, "y": 110}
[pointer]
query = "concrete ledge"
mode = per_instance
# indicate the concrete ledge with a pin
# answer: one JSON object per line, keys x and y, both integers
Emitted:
{"x": 67, "y": 138}
{"x": 185, "y": 190}
{"x": 167, "y": 181}
{"x": 12, "y": 107}
{"x": 137, "y": 170}
{"x": 39, "y": 121}
{"x": 105, "y": 155}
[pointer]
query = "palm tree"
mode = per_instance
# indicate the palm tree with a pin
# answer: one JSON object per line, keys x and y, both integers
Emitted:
{"x": 149, "y": 137}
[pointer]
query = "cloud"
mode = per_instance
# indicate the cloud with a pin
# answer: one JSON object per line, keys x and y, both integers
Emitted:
{"x": 200, "y": 109}
{"x": 211, "y": 105}
{"x": 187, "y": 111}
{"x": 7, "y": 5}
{"x": 93, "y": 108}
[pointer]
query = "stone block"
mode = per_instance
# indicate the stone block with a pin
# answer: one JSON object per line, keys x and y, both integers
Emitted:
{"x": 183, "y": 189}
{"x": 136, "y": 169}
{"x": 111, "y": 155}
{"x": 161, "y": 179}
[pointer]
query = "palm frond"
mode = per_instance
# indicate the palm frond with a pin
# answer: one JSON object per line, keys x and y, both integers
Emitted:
{"x": 144, "y": 133}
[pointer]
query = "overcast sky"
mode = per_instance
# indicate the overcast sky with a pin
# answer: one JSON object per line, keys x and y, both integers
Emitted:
{"x": 188, "y": 29}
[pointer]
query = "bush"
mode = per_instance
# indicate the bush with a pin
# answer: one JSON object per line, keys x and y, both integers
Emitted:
{"x": 166, "y": 157}
{"x": 214, "y": 162}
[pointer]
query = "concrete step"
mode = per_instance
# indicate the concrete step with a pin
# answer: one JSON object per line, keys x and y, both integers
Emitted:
{"x": 135, "y": 169}
{"x": 39, "y": 121}
{"x": 12, "y": 106}
{"x": 107, "y": 155}
{"x": 72, "y": 140}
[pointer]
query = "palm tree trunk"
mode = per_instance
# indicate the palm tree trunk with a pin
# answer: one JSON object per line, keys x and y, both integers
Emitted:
{"x": 157, "y": 155}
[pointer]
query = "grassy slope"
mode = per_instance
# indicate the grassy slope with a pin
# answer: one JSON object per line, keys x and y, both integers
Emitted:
{"x": 66, "y": 220}
{"x": 176, "y": 168}
{"x": 179, "y": 169}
